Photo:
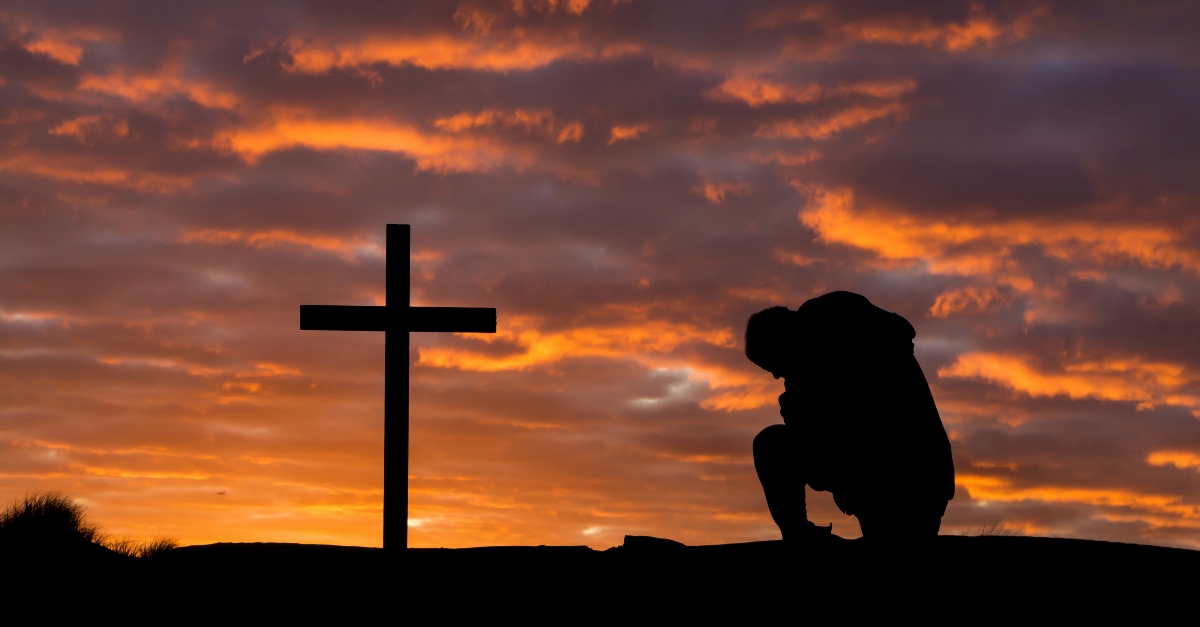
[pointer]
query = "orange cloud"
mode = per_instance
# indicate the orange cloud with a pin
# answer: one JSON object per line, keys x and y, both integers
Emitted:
{"x": 758, "y": 92}
{"x": 575, "y": 7}
{"x": 884, "y": 90}
{"x": 972, "y": 298}
{"x": 716, "y": 191}
{"x": 832, "y": 214}
{"x": 738, "y": 393}
{"x": 980, "y": 30}
{"x": 171, "y": 364}
{"x": 786, "y": 159}
{"x": 169, "y": 82}
{"x": 349, "y": 248}
{"x": 64, "y": 46}
{"x": 823, "y": 128}
{"x": 706, "y": 459}
{"x": 86, "y": 171}
{"x": 61, "y": 51}
{"x": 266, "y": 369}
{"x": 543, "y": 348}
{"x": 990, "y": 488}
{"x": 1147, "y": 383}
{"x": 500, "y": 54}
{"x": 431, "y": 152}
{"x": 622, "y": 133}
{"x": 796, "y": 259}
{"x": 979, "y": 248}
{"x": 572, "y": 132}
{"x": 1178, "y": 459}
{"x": 84, "y": 128}
{"x": 541, "y": 122}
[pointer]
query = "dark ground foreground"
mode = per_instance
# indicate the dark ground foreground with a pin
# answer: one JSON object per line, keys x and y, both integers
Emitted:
{"x": 958, "y": 578}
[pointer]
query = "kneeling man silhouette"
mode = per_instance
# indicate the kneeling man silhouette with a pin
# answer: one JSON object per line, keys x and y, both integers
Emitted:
{"x": 858, "y": 420}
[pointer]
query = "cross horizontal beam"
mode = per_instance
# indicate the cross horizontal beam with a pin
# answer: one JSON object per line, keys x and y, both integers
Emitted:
{"x": 375, "y": 318}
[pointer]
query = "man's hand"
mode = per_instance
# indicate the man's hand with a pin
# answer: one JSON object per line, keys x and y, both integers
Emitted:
{"x": 789, "y": 407}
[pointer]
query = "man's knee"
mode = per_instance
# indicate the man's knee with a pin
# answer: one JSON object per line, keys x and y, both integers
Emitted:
{"x": 771, "y": 443}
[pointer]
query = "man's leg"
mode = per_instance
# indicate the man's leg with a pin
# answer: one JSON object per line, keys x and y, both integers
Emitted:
{"x": 903, "y": 521}
{"x": 781, "y": 471}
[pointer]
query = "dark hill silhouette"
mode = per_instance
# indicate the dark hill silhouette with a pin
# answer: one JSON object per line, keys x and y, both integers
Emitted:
{"x": 644, "y": 578}
{"x": 51, "y": 562}
{"x": 847, "y": 579}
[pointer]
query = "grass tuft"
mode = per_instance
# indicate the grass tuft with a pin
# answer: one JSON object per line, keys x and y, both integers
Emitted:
{"x": 129, "y": 547}
{"x": 995, "y": 529}
{"x": 157, "y": 545}
{"x": 46, "y": 518}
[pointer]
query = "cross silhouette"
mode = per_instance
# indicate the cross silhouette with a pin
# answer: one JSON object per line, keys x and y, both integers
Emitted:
{"x": 396, "y": 319}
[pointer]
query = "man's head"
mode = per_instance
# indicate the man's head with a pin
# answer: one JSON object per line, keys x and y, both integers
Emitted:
{"x": 769, "y": 336}
{"x": 828, "y": 331}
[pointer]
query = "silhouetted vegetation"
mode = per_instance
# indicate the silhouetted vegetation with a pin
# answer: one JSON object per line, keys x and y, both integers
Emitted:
{"x": 48, "y": 519}
{"x": 995, "y": 529}
{"x": 139, "y": 548}
{"x": 54, "y": 522}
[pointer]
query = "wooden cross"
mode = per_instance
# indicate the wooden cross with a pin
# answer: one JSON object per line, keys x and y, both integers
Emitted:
{"x": 396, "y": 319}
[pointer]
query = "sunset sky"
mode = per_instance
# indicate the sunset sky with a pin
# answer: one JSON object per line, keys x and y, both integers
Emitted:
{"x": 625, "y": 182}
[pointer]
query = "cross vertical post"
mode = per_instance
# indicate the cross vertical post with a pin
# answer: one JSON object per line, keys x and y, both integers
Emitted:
{"x": 396, "y": 319}
{"x": 395, "y": 387}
